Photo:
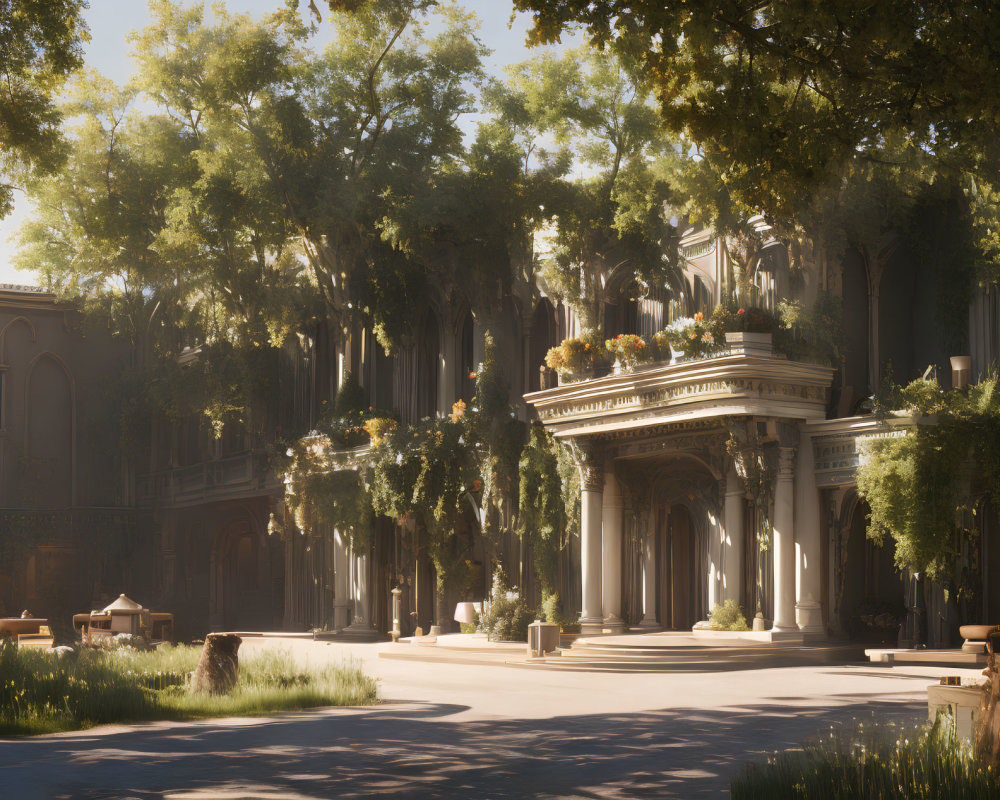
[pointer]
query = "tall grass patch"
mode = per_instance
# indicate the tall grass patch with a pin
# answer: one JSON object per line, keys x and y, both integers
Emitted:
{"x": 878, "y": 764}
{"x": 40, "y": 692}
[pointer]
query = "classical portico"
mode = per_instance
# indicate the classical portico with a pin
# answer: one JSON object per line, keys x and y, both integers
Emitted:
{"x": 698, "y": 486}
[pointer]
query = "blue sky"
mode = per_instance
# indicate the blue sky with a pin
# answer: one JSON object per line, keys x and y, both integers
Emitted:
{"x": 110, "y": 22}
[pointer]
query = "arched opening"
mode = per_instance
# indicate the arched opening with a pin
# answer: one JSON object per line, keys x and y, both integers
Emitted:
{"x": 855, "y": 310}
{"x": 871, "y": 608}
{"x": 49, "y": 438}
{"x": 543, "y": 336}
{"x": 701, "y": 296}
{"x": 680, "y": 526}
{"x": 240, "y": 594}
{"x": 679, "y": 603}
{"x": 621, "y": 314}
{"x": 425, "y": 378}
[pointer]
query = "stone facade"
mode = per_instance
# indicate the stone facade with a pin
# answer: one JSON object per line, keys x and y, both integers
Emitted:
{"x": 702, "y": 481}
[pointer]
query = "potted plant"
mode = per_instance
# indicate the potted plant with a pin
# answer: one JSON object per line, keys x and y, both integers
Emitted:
{"x": 572, "y": 359}
{"x": 748, "y": 330}
{"x": 628, "y": 350}
{"x": 690, "y": 337}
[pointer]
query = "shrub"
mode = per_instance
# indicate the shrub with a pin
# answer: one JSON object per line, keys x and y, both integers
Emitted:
{"x": 379, "y": 427}
{"x": 919, "y": 765}
{"x": 728, "y": 617}
{"x": 508, "y": 616}
{"x": 552, "y": 610}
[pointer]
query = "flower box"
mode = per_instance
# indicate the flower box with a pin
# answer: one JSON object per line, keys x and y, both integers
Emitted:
{"x": 575, "y": 376}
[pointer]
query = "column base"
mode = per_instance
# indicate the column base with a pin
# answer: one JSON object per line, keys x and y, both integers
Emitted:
{"x": 809, "y": 617}
{"x": 614, "y": 624}
{"x": 647, "y": 624}
{"x": 590, "y": 626}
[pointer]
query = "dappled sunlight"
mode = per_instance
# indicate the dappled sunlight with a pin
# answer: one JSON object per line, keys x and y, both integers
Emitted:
{"x": 417, "y": 750}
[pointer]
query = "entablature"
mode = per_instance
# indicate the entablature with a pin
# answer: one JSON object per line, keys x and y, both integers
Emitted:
{"x": 728, "y": 386}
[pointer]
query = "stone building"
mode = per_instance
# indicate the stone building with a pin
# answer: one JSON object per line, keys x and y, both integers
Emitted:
{"x": 670, "y": 525}
{"x": 70, "y": 534}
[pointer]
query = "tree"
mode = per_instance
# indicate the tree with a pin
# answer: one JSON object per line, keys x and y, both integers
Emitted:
{"x": 41, "y": 46}
{"x": 612, "y": 222}
{"x": 348, "y": 141}
{"x": 783, "y": 92}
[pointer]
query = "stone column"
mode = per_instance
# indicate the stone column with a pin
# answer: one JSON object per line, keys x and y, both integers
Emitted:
{"x": 361, "y": 621}
{"x": 732, "y": 539}
{"x": 447, "y": 378}
{"x": 649, "y": 580}
{"x": 341, "y": 580}
{"x": 591, "y": 500}
{"x": 808, "y": 545}
{"x": 611, "y": 554}
{"x": 715, "y": 536}
{"x": 783, "y": 541}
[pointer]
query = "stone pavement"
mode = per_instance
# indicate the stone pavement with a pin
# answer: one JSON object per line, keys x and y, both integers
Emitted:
{"x": 469, "y": 731}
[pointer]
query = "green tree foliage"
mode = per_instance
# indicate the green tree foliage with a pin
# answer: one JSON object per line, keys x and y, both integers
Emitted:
{"x": 781, "y": 91}
{"x": 610, "y": 225}
{"x": 42, "y": 44}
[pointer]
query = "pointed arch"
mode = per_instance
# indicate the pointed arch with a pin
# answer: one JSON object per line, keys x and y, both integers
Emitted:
{"x": 3, "y": 335}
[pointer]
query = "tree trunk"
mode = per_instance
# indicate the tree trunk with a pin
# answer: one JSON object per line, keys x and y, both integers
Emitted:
{"x": 219, "y": 665}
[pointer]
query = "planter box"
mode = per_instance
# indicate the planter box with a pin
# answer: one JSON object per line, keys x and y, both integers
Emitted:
{"x": 760, "y": 345}
{"x": 574, "y": 377}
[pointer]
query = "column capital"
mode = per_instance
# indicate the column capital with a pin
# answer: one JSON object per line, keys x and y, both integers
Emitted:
{"x": 786, "y": 461}
{"x": 589, "y": 458}
{"x": 591, "y": 476}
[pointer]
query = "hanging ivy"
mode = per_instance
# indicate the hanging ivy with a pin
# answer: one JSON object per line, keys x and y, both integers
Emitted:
{"x": 922, "y": 483}
{"x": 322, "y": 487}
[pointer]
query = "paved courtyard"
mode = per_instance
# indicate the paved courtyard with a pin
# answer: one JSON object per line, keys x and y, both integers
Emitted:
{"x": 469, "y": 731}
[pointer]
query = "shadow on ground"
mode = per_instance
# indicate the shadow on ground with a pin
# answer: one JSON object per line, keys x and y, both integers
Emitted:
{"x": 421, "y": 751}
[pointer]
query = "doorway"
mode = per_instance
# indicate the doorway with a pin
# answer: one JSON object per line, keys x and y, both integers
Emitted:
{"x": 677, "y": 604}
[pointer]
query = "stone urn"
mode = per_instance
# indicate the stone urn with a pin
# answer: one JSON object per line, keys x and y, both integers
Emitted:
{"x": 975, "y": 637}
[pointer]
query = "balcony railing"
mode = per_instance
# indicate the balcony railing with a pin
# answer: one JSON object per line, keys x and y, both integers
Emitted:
{"x": 233, "y": 476}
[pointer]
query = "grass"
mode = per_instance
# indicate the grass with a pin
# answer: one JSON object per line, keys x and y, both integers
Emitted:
{"x": 878, "y": 764}
{"x": 41, "y": 693}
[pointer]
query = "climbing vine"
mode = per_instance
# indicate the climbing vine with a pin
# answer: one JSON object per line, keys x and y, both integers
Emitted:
{"x": 922, "y": 482}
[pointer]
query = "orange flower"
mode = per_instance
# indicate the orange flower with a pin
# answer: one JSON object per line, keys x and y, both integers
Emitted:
{"x": 472, "y": 376}
{"x": 699, "y": 317}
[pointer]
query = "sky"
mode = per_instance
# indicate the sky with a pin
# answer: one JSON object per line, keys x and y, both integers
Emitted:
{"x": 108, "y": 52}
